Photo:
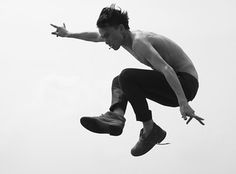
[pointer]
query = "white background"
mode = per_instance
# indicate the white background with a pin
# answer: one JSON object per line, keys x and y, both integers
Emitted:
{"x": 47, "y": 84}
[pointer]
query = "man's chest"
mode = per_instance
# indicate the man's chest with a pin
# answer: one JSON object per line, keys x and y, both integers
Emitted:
{"x": 140, "y": 58}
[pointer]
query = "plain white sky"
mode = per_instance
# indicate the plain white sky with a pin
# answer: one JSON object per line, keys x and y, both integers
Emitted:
{"x": 48, "y": 83}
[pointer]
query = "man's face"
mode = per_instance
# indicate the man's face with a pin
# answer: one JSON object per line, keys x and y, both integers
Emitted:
{"x": 112, "y": 36}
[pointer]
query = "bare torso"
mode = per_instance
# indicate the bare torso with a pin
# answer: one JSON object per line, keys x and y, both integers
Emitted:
{"x": 168, "y": 50}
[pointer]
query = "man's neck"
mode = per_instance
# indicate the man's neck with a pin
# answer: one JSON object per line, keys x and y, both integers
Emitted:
{"x": 128, "y": 39}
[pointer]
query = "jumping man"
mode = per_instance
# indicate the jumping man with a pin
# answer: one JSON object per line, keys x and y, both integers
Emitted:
{"x": 172, "y": 80}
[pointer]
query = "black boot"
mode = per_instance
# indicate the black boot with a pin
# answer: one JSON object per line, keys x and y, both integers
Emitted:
{"x": 108, "y": 123}
{"x": 145, "y": 144}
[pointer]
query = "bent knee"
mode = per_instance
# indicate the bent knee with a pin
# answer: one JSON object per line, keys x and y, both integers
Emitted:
{"x": 126, "y": 75}
{"x": 115, "y": 81}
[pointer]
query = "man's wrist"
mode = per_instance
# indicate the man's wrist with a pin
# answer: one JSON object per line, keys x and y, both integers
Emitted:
{"x": 68, "y": 35}
{"x": 183, "y": 102}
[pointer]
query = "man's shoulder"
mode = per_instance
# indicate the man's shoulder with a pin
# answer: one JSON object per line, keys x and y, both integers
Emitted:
{"x": 141, "y": 36}
{"x": 146, "y": 34}
{"x": 139, "y": 42}
{"x": 145, "y": 38}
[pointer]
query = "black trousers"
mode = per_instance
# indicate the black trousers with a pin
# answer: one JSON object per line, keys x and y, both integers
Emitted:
{"x": 137, "y": 85}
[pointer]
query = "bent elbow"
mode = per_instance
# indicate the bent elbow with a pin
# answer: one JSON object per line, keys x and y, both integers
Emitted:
{"x": 167, "y": 69}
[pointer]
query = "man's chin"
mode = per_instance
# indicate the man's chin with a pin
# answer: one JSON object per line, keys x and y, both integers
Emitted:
{"x": 116, "y": 48}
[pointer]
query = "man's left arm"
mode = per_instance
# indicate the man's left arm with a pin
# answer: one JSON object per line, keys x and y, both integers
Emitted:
{"x": 145, "y": 49}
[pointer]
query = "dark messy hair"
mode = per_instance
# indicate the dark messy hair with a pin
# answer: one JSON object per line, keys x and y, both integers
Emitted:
{"x": 112, "y": 17}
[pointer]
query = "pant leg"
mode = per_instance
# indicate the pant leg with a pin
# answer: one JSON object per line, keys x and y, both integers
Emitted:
{"x": 140, "y": 84}
{"x": 118, "y": 97}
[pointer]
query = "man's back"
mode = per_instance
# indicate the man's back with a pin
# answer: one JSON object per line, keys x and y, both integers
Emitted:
{"x": 167, "y": 49}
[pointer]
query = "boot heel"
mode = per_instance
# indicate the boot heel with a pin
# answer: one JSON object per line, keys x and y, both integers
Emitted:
{"x": 115, "y": 131}
{"x": 162, "y": 137}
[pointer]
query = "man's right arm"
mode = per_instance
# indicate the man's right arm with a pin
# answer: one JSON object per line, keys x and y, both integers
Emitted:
{"x": 87, "y": 36}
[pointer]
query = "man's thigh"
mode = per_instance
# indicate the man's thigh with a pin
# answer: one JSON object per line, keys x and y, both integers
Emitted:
{"x": 153, "y": 85}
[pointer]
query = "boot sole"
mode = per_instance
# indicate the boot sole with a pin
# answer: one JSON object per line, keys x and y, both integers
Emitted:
{"x": 95, "y": 126}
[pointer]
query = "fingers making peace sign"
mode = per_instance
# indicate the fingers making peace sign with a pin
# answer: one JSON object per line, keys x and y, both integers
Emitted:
{"x": 187, "y": 111}
{"x": 199, "y": 119}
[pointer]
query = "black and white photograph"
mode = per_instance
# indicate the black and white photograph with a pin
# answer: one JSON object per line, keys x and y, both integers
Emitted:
{"x": 117, "y": 87}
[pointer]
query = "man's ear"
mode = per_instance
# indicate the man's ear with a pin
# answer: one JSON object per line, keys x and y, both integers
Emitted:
{"x": 121, "y": 27}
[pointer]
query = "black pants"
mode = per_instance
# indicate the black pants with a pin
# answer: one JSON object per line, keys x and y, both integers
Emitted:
{"x": 137, "y": 85}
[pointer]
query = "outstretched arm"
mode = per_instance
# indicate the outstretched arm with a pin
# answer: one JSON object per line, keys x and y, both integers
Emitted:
{"x": 87, "y": 36}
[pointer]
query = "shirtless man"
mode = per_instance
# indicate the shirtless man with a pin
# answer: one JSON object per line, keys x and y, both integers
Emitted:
{"x": 172, "y": 80}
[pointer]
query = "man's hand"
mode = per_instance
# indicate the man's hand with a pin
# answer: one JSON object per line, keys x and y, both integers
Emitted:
{"x": 60, "y": 31}
{"x": 187, "y": 111}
